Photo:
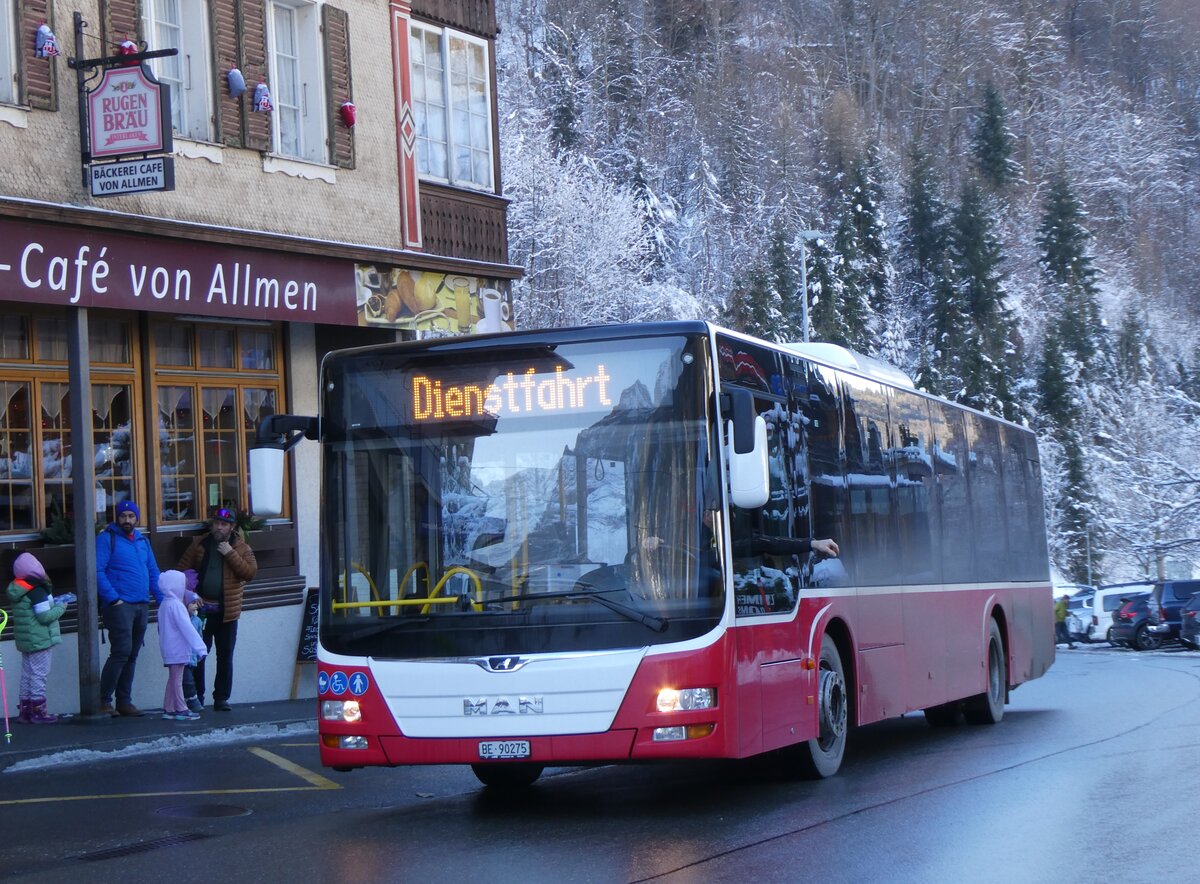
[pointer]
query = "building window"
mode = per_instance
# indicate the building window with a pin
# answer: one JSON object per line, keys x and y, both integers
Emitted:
{"x": 8, "y": 55}
{"x": 183, "y": 25}
{"x": 207, "y": 417}
{"x": 293, "y": 42}
{"x": 36, "y": 460}
{"x": 452, "y": 104}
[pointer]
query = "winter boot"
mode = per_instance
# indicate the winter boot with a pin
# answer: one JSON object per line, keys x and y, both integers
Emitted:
{"x": 23, "y": 712}
{"x": 38, "y": 713}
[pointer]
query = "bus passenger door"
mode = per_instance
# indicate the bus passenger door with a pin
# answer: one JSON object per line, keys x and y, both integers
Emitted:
{"x": 766, "y": 578}
{"x": 920, "y": 561}
{"x": 871, "y": 549}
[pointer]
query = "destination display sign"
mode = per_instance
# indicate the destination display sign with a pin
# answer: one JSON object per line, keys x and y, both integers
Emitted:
{"x": 525, "y": 391}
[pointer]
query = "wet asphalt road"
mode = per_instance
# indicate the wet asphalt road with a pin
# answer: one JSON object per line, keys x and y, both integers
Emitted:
{"x": 1088, "y": 777}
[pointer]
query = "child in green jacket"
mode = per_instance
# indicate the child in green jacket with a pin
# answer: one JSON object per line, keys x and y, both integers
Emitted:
{"x": 35, "y": 616}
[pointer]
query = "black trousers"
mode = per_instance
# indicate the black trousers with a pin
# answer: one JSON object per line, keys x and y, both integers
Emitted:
{"x": 224, "y": 636}
{"x": 126, "y": 625}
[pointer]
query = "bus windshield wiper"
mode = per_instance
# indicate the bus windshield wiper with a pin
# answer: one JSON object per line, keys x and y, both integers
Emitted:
{"x": 658, "y": 624}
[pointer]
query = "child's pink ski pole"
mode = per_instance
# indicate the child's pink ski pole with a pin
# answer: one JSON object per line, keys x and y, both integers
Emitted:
{"x": 3, "y": 687}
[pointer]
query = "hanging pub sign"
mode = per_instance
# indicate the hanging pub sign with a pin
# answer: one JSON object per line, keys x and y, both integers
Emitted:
{"x": 125, "y": 122}
{"x": 129, "y": 118}
{"x": 128, "y": 113}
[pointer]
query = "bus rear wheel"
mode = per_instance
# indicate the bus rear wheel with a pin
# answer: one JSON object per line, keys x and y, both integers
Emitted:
{"x": 508, "y": 776}
{"x": 821, "y": 757}
{"x": 988, "y": 707}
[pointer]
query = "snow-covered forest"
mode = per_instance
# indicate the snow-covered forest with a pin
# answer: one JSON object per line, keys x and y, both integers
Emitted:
{"x": 999, "y": 197}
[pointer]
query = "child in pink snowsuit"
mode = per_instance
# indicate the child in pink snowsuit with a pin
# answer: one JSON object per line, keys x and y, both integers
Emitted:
{"x": 179, "y": 641}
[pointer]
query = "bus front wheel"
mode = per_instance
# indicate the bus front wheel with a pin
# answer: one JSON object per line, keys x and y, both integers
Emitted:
{"x": 822, "y": 756}
{"x": 508, "y": 776}
{"x": 988, "y": 707}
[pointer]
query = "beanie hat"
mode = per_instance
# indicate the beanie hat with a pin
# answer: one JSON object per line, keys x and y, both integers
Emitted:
{"x": 128, "y": 506}
{"x": 27, "y": 565}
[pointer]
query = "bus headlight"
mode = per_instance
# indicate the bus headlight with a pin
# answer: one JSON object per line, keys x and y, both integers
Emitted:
{"x": 341, "y": 710}
{"x": 674, "y": 700}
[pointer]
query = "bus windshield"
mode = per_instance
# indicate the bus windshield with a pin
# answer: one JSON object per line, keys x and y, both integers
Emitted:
{"x": 518, "y": 499}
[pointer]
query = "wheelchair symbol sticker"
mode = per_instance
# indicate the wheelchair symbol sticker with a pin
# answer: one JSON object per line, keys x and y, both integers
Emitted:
{"x": 338, "y": 683}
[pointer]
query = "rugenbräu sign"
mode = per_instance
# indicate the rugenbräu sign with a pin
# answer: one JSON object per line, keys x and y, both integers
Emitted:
{"x": 89, "y": 267}
{"x": 126, "y": 115}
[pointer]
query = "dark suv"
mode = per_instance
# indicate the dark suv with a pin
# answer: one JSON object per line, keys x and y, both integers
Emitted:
{"x": 1189, "y": 629}
{"x": 1166, "y": 606}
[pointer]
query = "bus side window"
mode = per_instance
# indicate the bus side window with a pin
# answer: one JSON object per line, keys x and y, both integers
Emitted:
{"x": 916, "y": 516}
{"x": 954, "y": 501}
{"x": 765, "y": 579}
{"x": 818, "y": 403}
{"x": 869, "y": 546}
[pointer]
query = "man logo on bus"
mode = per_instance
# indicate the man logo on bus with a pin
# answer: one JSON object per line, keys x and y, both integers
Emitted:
{"x": 502, "y": 706}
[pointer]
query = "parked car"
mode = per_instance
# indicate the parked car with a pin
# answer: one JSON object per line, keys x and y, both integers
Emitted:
{"x": 1079, "y": 617}
{"x": 1166, "y": 605}
{"x": 1105, "y": 604}
{"x": 1189, "y": 623}
{"x": 1130, "y": 628}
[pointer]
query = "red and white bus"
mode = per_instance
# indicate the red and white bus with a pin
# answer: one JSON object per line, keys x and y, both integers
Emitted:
{"x": 590, "y": 545}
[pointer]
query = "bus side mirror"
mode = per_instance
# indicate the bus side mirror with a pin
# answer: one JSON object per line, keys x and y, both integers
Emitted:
{"x": 266, "y": 480}
{"x": 277, "y": 435}
{"x": 749, "y": 474}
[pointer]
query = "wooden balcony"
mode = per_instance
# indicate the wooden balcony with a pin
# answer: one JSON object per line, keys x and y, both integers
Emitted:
{"x": 464, "y": 224}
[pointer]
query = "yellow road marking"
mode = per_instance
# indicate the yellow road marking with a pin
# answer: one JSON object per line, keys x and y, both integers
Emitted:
{"x": 316, "y": 781}
{"x": 4, "y": 803}
{"x": 304, "y": 773}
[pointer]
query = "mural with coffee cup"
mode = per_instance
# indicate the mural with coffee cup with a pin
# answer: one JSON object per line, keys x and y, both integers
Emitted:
{"x": 432, "y": 304}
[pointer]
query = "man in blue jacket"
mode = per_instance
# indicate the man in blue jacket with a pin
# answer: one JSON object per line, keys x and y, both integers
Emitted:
{"x": 126, "y": 577}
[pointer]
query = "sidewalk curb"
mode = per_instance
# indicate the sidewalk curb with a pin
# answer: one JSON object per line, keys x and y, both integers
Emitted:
{"x": 150, "y": 743}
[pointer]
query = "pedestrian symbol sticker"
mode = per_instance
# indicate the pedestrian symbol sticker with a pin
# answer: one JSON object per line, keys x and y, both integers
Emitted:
{"x": 337, "y": 683}
{"x": 322, "y": 682}
{"x": 359, "y": 683}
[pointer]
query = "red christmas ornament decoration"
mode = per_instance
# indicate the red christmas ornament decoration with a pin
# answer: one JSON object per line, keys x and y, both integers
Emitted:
{"x": 349, "y": 114}
{"x": 128, "y": 47}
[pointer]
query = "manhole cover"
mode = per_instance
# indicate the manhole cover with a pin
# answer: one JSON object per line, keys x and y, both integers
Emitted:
{"x": 203, "y": 811}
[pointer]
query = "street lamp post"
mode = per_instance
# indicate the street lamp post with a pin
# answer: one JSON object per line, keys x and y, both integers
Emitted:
{"x": 805, "y": 236}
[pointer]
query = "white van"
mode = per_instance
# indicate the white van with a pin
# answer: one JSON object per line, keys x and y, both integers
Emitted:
{"x": 1106, "y": 602}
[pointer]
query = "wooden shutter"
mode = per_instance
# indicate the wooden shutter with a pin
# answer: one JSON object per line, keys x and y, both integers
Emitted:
{"x": 119, "y": 20}
{"x": 239, "y": 41}
{"x": 256, "y": 126}
{"x": 223, "y": 23}
{"x": 335, "y": 25}
{"x": 39, "y": 86}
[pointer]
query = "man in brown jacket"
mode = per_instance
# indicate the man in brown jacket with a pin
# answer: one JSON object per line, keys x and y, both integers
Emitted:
{"x": 223, "y": 562}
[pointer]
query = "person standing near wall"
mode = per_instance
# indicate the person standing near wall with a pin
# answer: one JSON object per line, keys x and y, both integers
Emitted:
{"x": 224, "y": 562}
{"x": 126, "y": 577}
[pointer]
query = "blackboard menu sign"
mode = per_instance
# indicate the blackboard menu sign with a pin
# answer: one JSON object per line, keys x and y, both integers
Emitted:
{"x": 307, "y": 652}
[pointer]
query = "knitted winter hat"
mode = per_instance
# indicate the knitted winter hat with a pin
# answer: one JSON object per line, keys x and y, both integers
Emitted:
{"x": 27, "y": 566}
{"x": 128, "y": 506}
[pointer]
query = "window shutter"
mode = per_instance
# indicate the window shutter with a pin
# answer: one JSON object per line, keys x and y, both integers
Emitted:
{"x": 336, "y": 27}
{"x": 256, "y": 126}
{"x": 39, "y": 87}
{"x": 119, "y": 20}
{"x": 223, "y": 22}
